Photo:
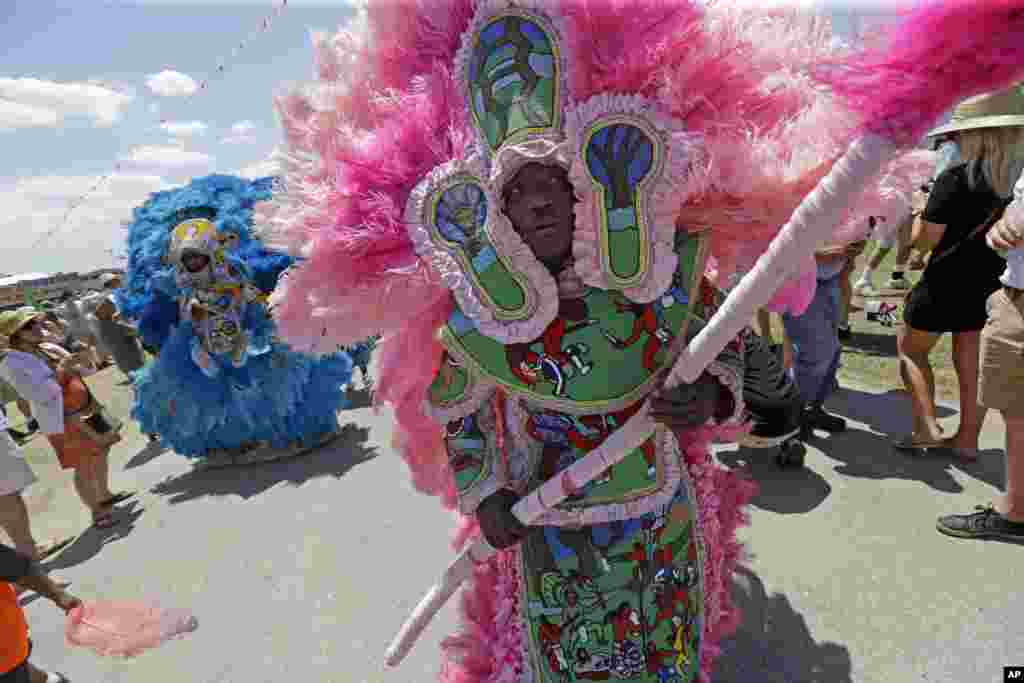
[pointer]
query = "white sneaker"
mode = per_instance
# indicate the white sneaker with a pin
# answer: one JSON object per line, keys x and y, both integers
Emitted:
{"x": 901, "y": 283}
{"x": 864, "y": 288}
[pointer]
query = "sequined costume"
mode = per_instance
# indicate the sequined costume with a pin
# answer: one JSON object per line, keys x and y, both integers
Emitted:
{"x": 222, "y": 387}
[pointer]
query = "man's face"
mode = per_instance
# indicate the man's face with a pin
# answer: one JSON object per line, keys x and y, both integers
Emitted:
{"x": 32, "y": 332}
{"x": 539, "y": 202}
{"x": 194, "y": 261}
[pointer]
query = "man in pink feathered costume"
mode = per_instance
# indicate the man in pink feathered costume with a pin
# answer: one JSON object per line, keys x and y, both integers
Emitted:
{"x": 522, "y": 198}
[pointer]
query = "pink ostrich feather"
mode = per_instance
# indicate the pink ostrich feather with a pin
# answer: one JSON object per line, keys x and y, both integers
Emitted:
{"x": 384, "y": 48}
{"x": 889, "y": 196}
{"x": 941, "y": 52}
{"x": 410, "y": 36}
{"x": 490, "y": 644}
{"x": 769, "y": 134}
{"x": 723, "y": 496}
{"x": 361, "y": 275}
{"x": 405, "y": 364}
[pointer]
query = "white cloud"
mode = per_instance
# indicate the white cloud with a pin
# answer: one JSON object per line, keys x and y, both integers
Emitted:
{"x": 270, "y": 166}
{"x": 14, "y": 115}
{"x": 183, "y": 129}
{"x": 169, "y": 83}
{"x": 173, "y": 160}
{"x": 241, "y": 132}
{"x": 33, "y": 103}
{"x": 36, "y": 205}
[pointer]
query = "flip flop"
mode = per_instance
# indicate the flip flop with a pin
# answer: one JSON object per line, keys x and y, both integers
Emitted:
{"x": 910, "y": 443}
{"x": 50, "y": 548}
{"x": 118, "y": 497}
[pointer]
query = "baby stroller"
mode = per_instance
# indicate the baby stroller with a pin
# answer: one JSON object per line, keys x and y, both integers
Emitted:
{"x": 773, "y": 402}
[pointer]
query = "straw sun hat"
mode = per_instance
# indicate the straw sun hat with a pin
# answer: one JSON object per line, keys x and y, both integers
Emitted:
{"x": 992, "y": 110}
{"x": 12, "y": 321}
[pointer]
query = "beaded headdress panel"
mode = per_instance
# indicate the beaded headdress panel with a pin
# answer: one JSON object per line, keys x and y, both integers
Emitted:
{"x": 625, "y": 158}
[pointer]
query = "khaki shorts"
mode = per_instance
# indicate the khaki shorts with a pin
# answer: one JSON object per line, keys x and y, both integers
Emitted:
{"x": 1001, "y": 382}
{"x": 15, "y": 474}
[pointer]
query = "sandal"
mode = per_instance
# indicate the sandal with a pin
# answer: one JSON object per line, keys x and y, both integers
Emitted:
{"x": 912, "y": 443}
{"x": 118, "y": 497}
{"x": 104, "y": 520}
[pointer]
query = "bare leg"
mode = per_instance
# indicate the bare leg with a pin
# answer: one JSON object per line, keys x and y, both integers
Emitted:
{"x": 101, "y": 472}
{"x": 914, "y": 347}
{"x": 966, "y": 347}
{"x": 903, "y": 244}
{"x": 867, "y": 276}
{"x": 876, "y": 259}
{"x": 1013, "y": 503}
{"x": 85, "y": 486}
{"x": 15, "y": 522}
{"x": 764, "y": 324}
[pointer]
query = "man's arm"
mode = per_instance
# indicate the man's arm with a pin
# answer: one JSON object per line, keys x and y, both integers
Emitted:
{"x": 19, "y": 569}
{"x": 35, "y": 382}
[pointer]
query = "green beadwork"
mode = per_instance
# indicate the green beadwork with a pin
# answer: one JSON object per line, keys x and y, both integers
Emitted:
{"x": 514, "y": 79}
{"x": 606, "y": 352}
{"x": 579, "y": 600}
{"x": 623, "y": 160}
{"x": 458, "y": 218}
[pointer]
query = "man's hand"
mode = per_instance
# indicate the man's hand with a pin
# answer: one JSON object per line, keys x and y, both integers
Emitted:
{"x": 855, "y": 249}
{"x": 500, "y": 527}
{"x": 67, "y": 602}
{"x": 38, "y": 581}
{"x": 691, "y": 405}
{"x": 1003, "y": 236}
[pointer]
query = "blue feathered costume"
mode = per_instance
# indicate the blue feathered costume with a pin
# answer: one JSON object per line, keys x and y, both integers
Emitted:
{"x": 221, "y": 386}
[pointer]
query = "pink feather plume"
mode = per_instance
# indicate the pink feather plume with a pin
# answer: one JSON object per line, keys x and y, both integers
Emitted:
{"x": 940, "y": 53}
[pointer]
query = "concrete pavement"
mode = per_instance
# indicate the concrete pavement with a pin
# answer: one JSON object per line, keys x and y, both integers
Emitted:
{"x": 304, "y": 569}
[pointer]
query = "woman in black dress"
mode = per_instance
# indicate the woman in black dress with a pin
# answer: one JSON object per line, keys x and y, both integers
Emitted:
{"x": 962, "y": 272}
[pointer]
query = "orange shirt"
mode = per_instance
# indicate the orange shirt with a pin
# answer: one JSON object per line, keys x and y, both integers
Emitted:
{"x": 13, "y": 630}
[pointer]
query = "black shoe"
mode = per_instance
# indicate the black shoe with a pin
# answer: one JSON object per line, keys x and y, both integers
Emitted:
{"x": 986, "y": 523}
{"x": 845, "y": 332}
{"x": 33, "y": 426}
{"x": 815, "y": 417}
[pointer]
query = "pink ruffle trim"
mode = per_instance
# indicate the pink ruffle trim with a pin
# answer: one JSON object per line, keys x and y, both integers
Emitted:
{"x": 721, "y": 496}
{"x": 489, "y": 648}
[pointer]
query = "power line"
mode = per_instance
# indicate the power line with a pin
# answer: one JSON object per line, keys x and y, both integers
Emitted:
{"x": 202, "y": 86}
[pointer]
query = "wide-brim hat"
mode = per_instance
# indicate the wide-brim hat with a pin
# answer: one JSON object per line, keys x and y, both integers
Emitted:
{"x": 1001, "y": 109}
{"x": 12, "y": 321}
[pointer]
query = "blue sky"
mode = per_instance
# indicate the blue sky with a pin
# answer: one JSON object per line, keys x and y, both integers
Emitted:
{"x": 74, "y": 100}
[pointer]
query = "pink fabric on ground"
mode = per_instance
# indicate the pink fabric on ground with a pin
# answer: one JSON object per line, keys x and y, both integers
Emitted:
{"x": 126, "y": 629}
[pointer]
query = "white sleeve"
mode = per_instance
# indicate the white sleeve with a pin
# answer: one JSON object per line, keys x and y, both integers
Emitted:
{"x": 36, "y": 383}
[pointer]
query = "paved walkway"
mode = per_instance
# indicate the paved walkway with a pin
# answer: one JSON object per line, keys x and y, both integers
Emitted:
{"x": 303, "y": 570}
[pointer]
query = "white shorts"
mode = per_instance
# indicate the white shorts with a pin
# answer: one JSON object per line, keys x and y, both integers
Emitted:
{"x": 15, "y": 474}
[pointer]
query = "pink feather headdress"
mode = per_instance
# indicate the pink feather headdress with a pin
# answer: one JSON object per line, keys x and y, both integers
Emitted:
{"x": 385, "y": 110}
